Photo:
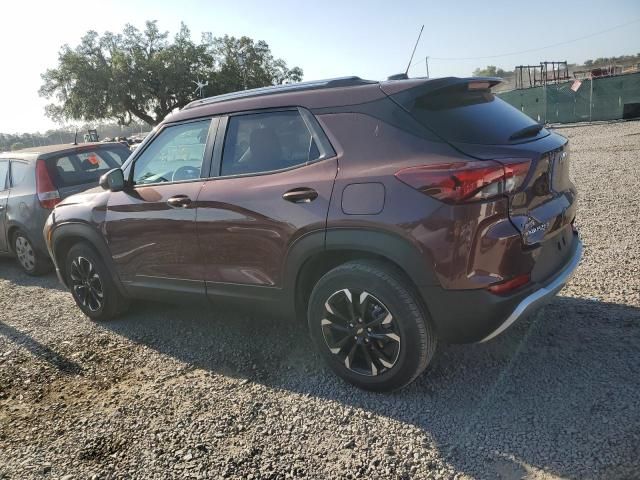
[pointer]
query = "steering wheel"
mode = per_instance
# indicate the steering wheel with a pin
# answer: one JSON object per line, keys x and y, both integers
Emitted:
{"x": 186, "y": 172}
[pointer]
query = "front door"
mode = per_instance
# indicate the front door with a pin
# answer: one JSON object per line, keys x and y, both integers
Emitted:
{"x": 276, "y": 173}
{"x": 4, "y": 195}
{"x": 150, "y": 227}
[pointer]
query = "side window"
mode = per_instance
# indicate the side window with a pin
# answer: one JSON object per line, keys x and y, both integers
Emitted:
{"x": 18, "y": 173}
{"x": 263, "y": 142}
{"x": 4, "y": 170}
{"x": 176, "y": 154}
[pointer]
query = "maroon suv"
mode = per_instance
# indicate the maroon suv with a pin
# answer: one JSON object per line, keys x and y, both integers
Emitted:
{"x": 389, "y": 215}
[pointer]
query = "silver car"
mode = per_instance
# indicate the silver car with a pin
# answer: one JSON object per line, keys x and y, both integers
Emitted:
{"x": 34, "y": 180}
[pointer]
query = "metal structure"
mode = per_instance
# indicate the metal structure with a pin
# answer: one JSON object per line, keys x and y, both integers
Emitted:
{"x": 200, "y": 87}
{"x": 554, "y": 72}
{"x": 528, "y": 76}
{"x": 605, "y": 71}
{"x": 591, "y": 99}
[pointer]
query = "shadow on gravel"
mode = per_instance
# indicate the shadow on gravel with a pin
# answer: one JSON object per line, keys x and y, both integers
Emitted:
{"x": 39, "y": 350}
{"x": 11, "y": 271}
{"x": 556, "y": 393}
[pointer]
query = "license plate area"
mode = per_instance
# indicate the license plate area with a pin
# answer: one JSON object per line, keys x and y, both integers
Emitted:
{"x": 553, "y": 254}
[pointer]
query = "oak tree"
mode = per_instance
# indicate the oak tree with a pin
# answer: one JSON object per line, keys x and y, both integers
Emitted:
{"x": 146, "y": 75}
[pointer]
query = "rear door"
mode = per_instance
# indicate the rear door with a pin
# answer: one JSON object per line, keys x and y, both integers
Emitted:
{"x": 4, "y": 195}
{"x": 275, "y": 172}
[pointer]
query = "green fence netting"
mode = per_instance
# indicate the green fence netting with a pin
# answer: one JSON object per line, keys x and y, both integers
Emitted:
{"x": 608, "y": 98}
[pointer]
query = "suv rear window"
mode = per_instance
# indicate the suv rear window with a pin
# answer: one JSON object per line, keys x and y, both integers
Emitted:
{"x": 471, "y": 116}
{"x": 86, "y": 166}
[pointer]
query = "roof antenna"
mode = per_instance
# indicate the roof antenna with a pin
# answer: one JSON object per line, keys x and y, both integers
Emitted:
{"x": 405, "y": 75}
{"x": 406, "y": 72}
{"x": 75, "y": 139}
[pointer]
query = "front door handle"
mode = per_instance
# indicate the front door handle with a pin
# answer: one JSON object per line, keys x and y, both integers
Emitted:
{"x": 179, "y": 201}
{"x": 300, "y": 195}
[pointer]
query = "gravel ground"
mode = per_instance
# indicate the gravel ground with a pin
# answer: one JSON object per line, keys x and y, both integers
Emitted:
{"x": 174, "y": 392}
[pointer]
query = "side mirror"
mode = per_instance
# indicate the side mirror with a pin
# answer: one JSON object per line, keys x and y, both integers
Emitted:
{"x": 113, "y": 180}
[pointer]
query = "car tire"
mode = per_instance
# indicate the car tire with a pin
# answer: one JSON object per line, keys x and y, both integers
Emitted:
{"x": 92, "y": 285}
{"x": 370, "y": 326}
{"x": 32, "y": 262}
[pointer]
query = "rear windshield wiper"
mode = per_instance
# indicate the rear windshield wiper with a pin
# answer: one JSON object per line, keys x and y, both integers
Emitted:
{"x": 530, "y": 131}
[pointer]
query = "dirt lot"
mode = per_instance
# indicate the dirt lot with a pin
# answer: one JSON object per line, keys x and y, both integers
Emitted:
{"x": 171, "y": 392}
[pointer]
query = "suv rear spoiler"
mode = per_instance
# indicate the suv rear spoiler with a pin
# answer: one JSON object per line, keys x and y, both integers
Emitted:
{"x": 418, "y": 87}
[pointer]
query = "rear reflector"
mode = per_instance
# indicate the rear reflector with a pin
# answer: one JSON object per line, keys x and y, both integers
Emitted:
{"x": 48, "y": 195}
{"x": 467, "y": 181}
{"x": 510, "y": 285}
{"x": 515, "y": 173}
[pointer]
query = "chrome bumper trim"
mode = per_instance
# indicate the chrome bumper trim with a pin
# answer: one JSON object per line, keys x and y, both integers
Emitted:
{"x": 541, "y": 296}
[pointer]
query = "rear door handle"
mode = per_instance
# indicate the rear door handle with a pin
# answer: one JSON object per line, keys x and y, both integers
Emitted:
{"x": 300, "y": 195}
{"x": 179, "y": 201}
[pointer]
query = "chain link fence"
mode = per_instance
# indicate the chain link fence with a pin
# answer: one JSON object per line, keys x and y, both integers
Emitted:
{"x": 607, "y": 98}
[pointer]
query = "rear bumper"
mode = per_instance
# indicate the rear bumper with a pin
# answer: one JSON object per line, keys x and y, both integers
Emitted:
{"x": 470, "y": 316}
{"x": 542, "y": 296}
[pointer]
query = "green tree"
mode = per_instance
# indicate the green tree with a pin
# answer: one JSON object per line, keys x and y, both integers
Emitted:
{"x": 17, "y": 146}
{"x": 248, "y": 64}
{"x": 144, "y": 75}
{"x": 490, "y": 71}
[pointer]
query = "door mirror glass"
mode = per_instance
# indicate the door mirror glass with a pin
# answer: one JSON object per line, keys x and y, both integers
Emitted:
{"x": 113, "y": 180}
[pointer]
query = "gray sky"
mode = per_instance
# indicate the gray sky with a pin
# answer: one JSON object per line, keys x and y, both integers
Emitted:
{"x": 372, "y": 39}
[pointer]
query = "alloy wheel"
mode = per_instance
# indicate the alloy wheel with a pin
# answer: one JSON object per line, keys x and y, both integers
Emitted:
{"x": 86, "y": 284}
{"x": 361, "y": 331}
{"x": 24, "y": 252}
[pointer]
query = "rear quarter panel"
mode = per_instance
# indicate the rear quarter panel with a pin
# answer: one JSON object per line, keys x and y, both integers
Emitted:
{"x": 462, "y": 245}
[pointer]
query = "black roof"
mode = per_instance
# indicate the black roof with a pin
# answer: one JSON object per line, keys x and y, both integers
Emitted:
{"x": 290, "y": 87}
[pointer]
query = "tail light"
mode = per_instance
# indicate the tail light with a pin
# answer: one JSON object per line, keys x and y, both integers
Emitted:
{"x": 48, "y": 194}
{"x": 510, "y": 285}
{"x": 462, "y": 182}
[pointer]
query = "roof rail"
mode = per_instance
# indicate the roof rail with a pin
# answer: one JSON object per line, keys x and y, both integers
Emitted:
{"x": 290, "y": 87}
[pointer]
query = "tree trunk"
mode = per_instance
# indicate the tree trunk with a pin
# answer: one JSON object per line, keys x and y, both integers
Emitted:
{"x": 142, "y": 115}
